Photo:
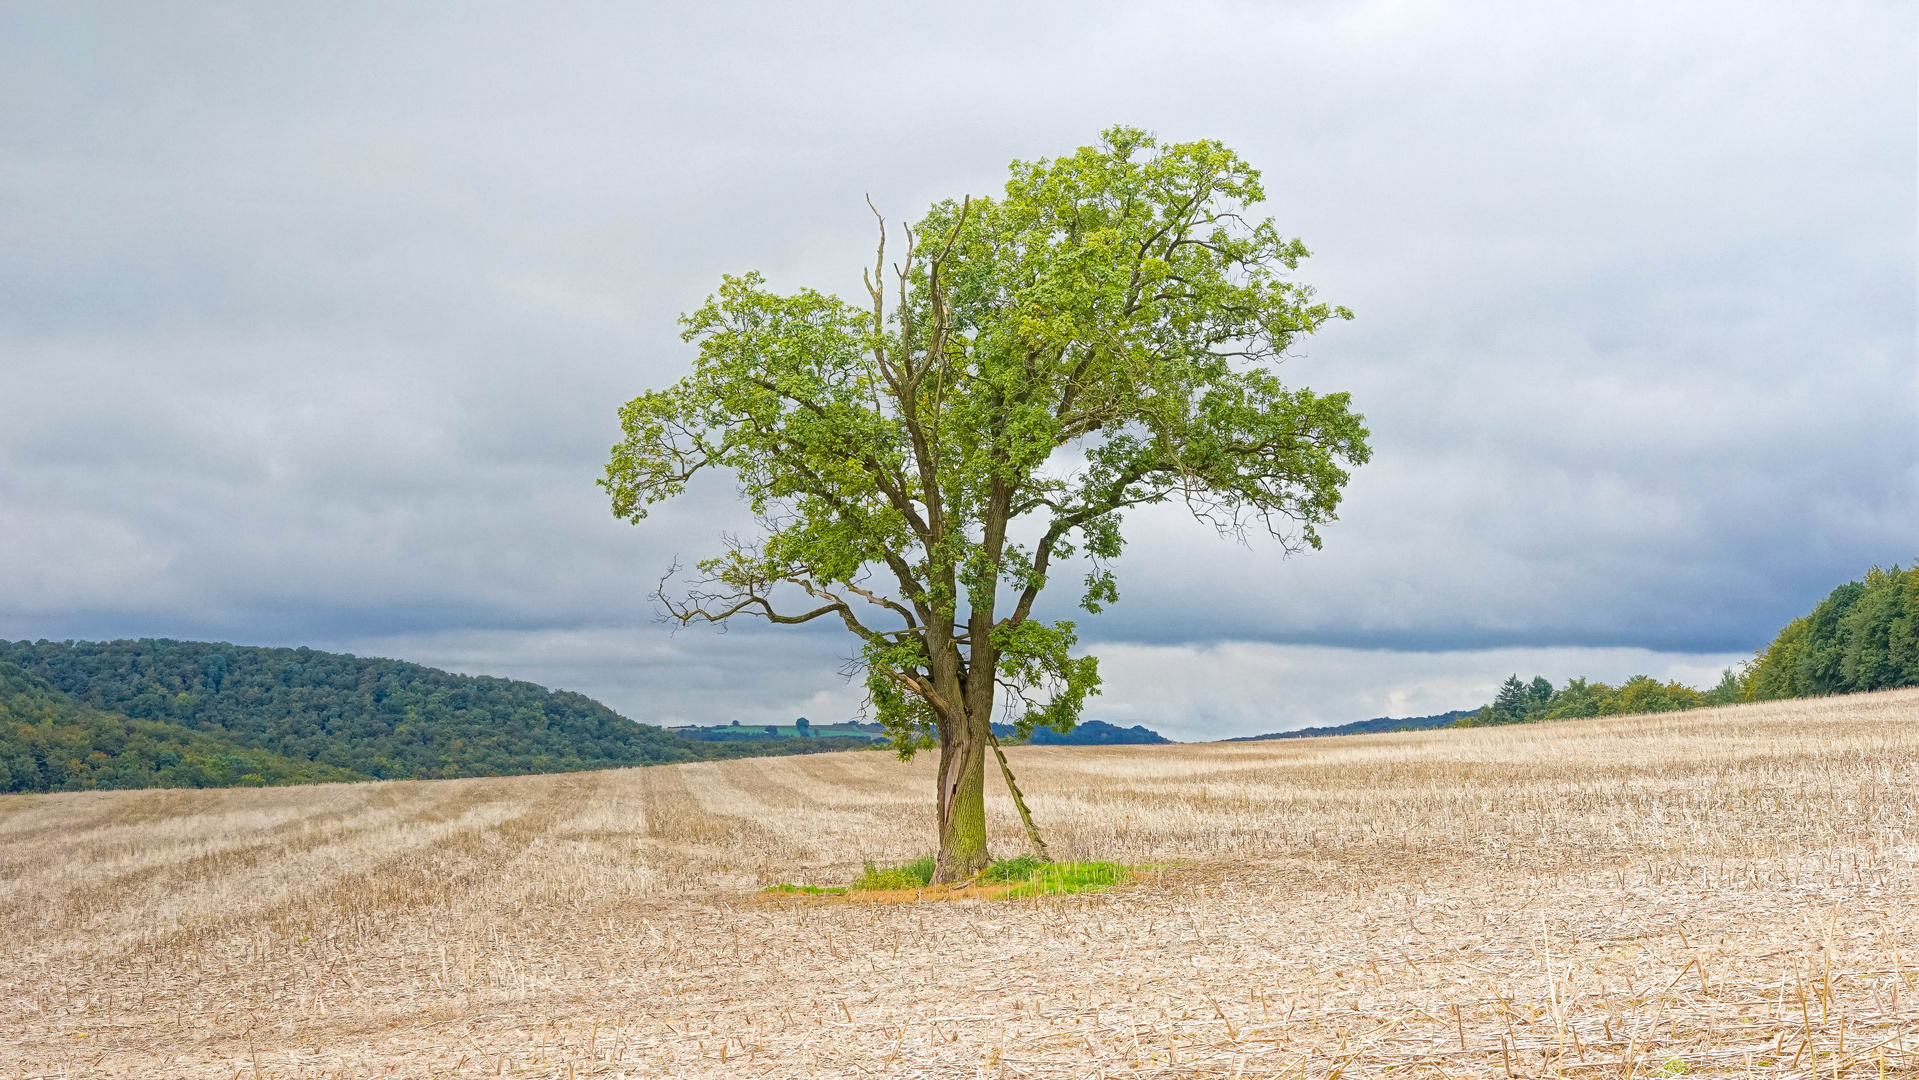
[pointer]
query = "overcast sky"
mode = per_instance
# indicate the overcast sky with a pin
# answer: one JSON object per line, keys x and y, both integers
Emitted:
{"x": 314, "y": 321}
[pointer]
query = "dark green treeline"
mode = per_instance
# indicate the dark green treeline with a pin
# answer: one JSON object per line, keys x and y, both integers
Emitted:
{"x": 359, "y": 716}
{"x": 49, "y": 742}
{"x": 1861, "y": 637}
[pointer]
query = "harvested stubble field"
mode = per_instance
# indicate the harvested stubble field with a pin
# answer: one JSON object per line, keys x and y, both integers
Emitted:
{"x": 1713, "y": 893}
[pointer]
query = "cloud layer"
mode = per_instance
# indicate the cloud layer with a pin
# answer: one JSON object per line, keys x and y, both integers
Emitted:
{"x": 1188, "y": 692}
{"x": 312, "y": 328}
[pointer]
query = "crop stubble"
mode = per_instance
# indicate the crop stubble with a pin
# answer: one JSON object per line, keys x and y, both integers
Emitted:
{"x": 1724, "y": 892}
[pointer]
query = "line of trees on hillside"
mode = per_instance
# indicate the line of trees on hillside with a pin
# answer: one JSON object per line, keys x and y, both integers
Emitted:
{"x": 1864, "y": 636}
{"x": 381, "y": 718}
{"x": 1524, "y": 703}
{"x": 362, "y": 716}
{"x": 49, "y": 742}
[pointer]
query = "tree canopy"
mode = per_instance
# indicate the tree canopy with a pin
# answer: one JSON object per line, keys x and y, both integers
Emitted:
{"x": 1100, "y": 337}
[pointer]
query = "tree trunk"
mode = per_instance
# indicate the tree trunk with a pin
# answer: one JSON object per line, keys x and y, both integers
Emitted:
{"x": 962, "y": 803}
{"x": 943, "y": 790}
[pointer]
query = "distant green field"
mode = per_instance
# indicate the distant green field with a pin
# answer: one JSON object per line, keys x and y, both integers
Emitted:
{"x": 737, "y": 732}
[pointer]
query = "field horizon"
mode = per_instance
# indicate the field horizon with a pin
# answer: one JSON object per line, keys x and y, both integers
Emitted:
{"x": 1717, "y": 892}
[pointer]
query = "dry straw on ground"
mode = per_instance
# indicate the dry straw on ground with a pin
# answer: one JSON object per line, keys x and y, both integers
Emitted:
{"x": 1715, "y": 893}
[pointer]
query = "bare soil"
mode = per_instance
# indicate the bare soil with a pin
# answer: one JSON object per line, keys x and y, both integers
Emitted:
{"x": 1714, "y": 893}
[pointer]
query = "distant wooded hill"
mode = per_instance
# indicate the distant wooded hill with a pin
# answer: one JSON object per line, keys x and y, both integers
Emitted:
{"x": 1085, "y": 733}
{"x": 1098, "y": 733}
{"x": 1361, "y": 727}
{"x": 359, "y": 717}
{"x": 48, "y": 742}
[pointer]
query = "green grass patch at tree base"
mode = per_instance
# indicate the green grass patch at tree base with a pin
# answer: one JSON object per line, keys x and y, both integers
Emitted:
{"x": 807, "y": 890}
{"x": 1006, "y": 879}
{"x": 913, "y": 875}
{"x": 1060, "y": 879}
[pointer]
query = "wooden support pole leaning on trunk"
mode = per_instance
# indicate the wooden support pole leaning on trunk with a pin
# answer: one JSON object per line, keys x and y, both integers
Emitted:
{"x": 1025, "y": 815}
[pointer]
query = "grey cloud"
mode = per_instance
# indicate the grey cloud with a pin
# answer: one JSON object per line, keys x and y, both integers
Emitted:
{"x": 313, "y": 325}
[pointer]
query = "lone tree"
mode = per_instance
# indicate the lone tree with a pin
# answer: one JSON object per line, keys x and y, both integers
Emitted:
{"x": 1099, "y": 338}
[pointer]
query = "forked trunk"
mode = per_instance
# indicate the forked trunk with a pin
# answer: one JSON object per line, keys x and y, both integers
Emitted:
{"x": 962, "y": 805}
{"x": 966, "y": 733}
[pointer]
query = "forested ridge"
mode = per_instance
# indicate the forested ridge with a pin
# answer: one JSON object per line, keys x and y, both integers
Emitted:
{"x": 379, "y": 718}
{"x": 49, "y": 742}
{"x": 1366, "y": 727}
{"x": 1863, "y": 636}
{"x": 1091, "y": 733}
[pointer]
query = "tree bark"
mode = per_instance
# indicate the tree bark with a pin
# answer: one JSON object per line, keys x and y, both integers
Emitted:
{"x": 962, "y": 805}
{"x": 963, "y": 774}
